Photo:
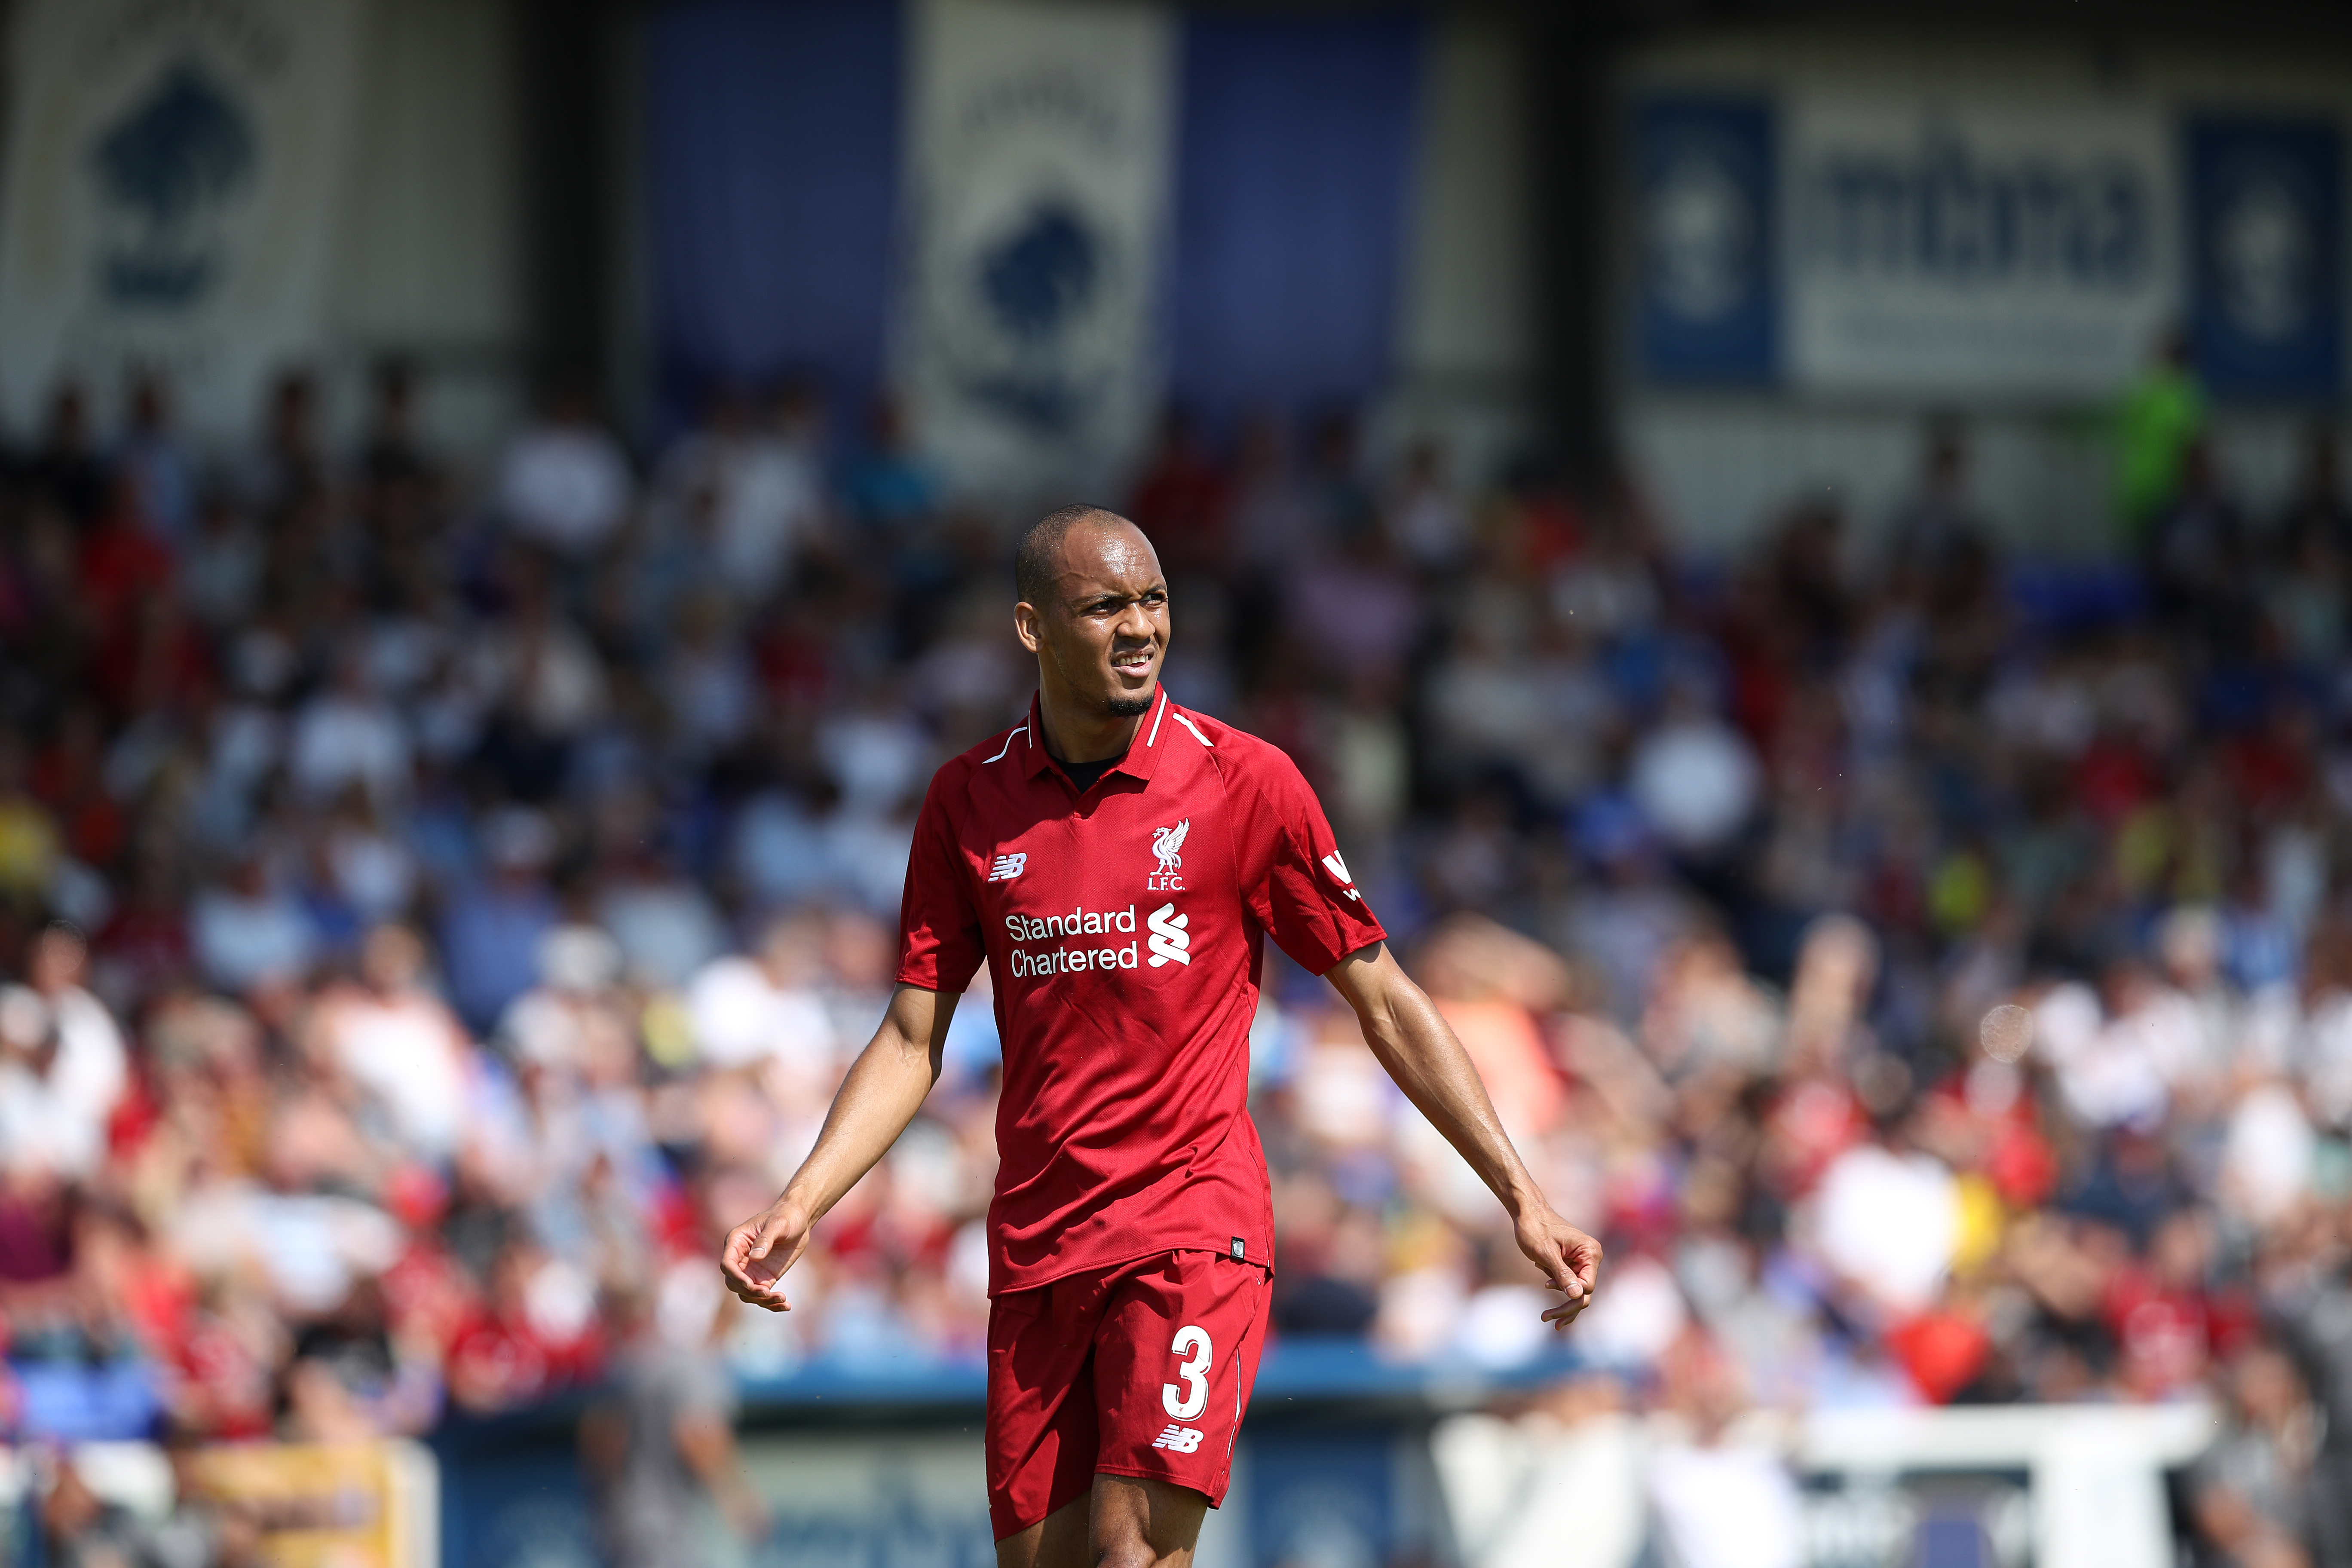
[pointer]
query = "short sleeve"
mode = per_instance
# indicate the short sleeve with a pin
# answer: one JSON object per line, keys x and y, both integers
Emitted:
{"x": 939, "y": 930}
{"x": 1301, "y": 890}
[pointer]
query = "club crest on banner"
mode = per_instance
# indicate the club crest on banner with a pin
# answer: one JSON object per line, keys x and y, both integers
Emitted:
{"x": 1705, "y": 184}
{"x": 1703, "y": 231}
{"x": 1040, "y": 145}
{"x": 1029, "y": 331}
{"x": 2267, "y": 291}
{"x": 167, "y": 168}
{"x": 174, "y": 175}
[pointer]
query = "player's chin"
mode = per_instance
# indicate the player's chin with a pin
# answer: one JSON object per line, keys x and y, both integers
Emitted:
{"x": 1130, "y": 697}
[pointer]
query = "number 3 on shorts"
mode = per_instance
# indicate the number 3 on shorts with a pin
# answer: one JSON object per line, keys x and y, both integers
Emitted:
{"x": 1195, "y": 1373}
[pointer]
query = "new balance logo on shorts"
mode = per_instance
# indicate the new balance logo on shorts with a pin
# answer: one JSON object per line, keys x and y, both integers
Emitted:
{"x": 1179, "y": 1439}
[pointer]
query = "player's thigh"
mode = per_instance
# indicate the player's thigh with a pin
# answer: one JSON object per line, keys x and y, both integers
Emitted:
{"x": 1174, "y": 1362}
{"x": 1040, "y": 1435}
{"x": 1136, "y": 1520}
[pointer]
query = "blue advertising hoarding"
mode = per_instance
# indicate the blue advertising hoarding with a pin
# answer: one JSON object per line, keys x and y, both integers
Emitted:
{"x": 1705, "y": 175}
{"x": 2266, "y": 255}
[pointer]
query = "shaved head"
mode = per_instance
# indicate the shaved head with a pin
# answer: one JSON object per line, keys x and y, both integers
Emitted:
{"x": 1094, "y": 609}
{"x": 1038, "y": 559}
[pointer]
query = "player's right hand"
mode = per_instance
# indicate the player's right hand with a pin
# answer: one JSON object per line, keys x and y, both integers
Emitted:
{"x": 758, "y": 1252}
{"x": 1569, "y": 1260}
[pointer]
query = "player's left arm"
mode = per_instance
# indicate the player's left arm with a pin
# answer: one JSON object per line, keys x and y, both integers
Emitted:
{"x": 1411, "y": 1040}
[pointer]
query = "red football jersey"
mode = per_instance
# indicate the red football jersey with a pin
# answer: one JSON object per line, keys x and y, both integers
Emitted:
{"x": 1126, "y": 929}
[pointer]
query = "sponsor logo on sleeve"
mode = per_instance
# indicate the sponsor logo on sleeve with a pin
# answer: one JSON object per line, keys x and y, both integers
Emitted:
{"x": 1005, "y": 867}
{"x": 1338, "y": 869}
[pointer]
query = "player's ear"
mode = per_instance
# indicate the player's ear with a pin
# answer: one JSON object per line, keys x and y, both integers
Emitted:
{"x": 1025, "y": 625}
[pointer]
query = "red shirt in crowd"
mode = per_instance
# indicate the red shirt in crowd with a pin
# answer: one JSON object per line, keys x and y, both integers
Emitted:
{"x": 1124, "y": 930}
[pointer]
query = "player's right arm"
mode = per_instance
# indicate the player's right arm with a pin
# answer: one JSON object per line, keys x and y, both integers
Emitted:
{"x": 884, "y": 1088}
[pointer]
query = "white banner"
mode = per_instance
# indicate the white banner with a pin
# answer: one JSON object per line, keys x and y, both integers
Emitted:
{"x": 1038, "y": 165}
{"x": 2059, "y": 1486}
{"x": 1975, "y": 246}
{"x": 173, "y": 174}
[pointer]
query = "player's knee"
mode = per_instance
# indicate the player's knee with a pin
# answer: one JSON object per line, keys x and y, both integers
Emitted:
{"x": 1134, "y": 1551}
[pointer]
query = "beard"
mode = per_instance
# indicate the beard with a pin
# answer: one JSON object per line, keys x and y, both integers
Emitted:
{"x": 1132, "y": 707}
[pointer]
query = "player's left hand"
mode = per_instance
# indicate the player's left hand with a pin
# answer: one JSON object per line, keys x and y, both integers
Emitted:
{"x": 758, "y": 1250}
{"x": 1569, "y": 1260}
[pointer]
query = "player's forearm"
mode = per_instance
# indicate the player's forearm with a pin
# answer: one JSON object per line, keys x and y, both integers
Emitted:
{"x": 1429, "y": 1064}
{"x": 1413, "y": 1043}
{"x": 884, "y": 1088}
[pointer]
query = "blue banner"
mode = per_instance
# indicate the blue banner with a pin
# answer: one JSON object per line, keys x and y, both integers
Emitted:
{"x": 1295, "y": 158}
{"x": 2267, "y": 255}
{"x": 1706, "y": 178}
{"x": 773, "y": 137}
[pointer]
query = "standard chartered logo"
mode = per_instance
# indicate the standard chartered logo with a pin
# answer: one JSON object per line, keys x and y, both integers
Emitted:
{"x": 1169, "y": 943}
{"x": 1168, "y": 940}
{"x": 1080, "y": 921}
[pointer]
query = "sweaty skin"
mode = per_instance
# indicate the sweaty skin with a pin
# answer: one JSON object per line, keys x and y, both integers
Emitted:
{"x": 1100, "y": 642}
{"x": 1101, "y": 645}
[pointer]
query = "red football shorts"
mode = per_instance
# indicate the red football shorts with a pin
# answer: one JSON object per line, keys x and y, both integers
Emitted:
{"x": 1141, "y": 1370}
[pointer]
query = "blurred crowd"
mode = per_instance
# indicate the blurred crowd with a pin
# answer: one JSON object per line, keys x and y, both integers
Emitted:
{"x": 436, "y": 904}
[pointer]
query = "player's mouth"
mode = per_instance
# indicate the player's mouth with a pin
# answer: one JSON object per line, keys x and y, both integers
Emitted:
{"x": 1133, "y": 663}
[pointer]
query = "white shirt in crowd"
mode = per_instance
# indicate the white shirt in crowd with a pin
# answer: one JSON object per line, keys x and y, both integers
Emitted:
{"x": 566, "y": 487}
{"x": 1888, "y": 1222}
{"x": 53, "y": 1116}
{"x": 743, "y": 1017}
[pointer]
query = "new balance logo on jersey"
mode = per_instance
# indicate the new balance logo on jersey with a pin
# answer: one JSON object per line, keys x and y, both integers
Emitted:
{"x": 1005, "y": 867}
{"x": 1169, "y": 943}
{"x": 1179, "y": 1439}
{"x": 1338, "y": 869}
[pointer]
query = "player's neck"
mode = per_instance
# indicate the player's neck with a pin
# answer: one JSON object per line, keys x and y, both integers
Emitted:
{"x": 1076, "y": 733}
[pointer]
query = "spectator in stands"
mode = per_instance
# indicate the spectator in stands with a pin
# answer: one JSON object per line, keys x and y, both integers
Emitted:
{"x": 1184, "y": 499}
{"x": 666, "y": 1442}
{"x": 285, "y": 473}
{"x": 162, "y": 473}
{"x": 251, "y": 931}
{"x": 1939, "y": 521}
{"x": 2248, "y": 1492}
{"x": 491, "y": 933}
{"x": 890, "y": 487}
{"x": 401, "y": 1045}
{"x": 564, "y": 484}
{"x": 2162, "y": 415}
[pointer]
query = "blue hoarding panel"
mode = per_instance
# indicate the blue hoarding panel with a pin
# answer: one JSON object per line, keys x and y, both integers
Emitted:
{"x": 1294, "y": 166}
{"x": 1705, "y": 185}
{"x": 1323, "y": 1497}
{"x": 2267, "y": 255}
{"x": 772, "y": 172}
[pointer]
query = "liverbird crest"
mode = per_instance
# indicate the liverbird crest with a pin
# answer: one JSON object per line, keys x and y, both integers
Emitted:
{"x": 1168, "y": 843}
